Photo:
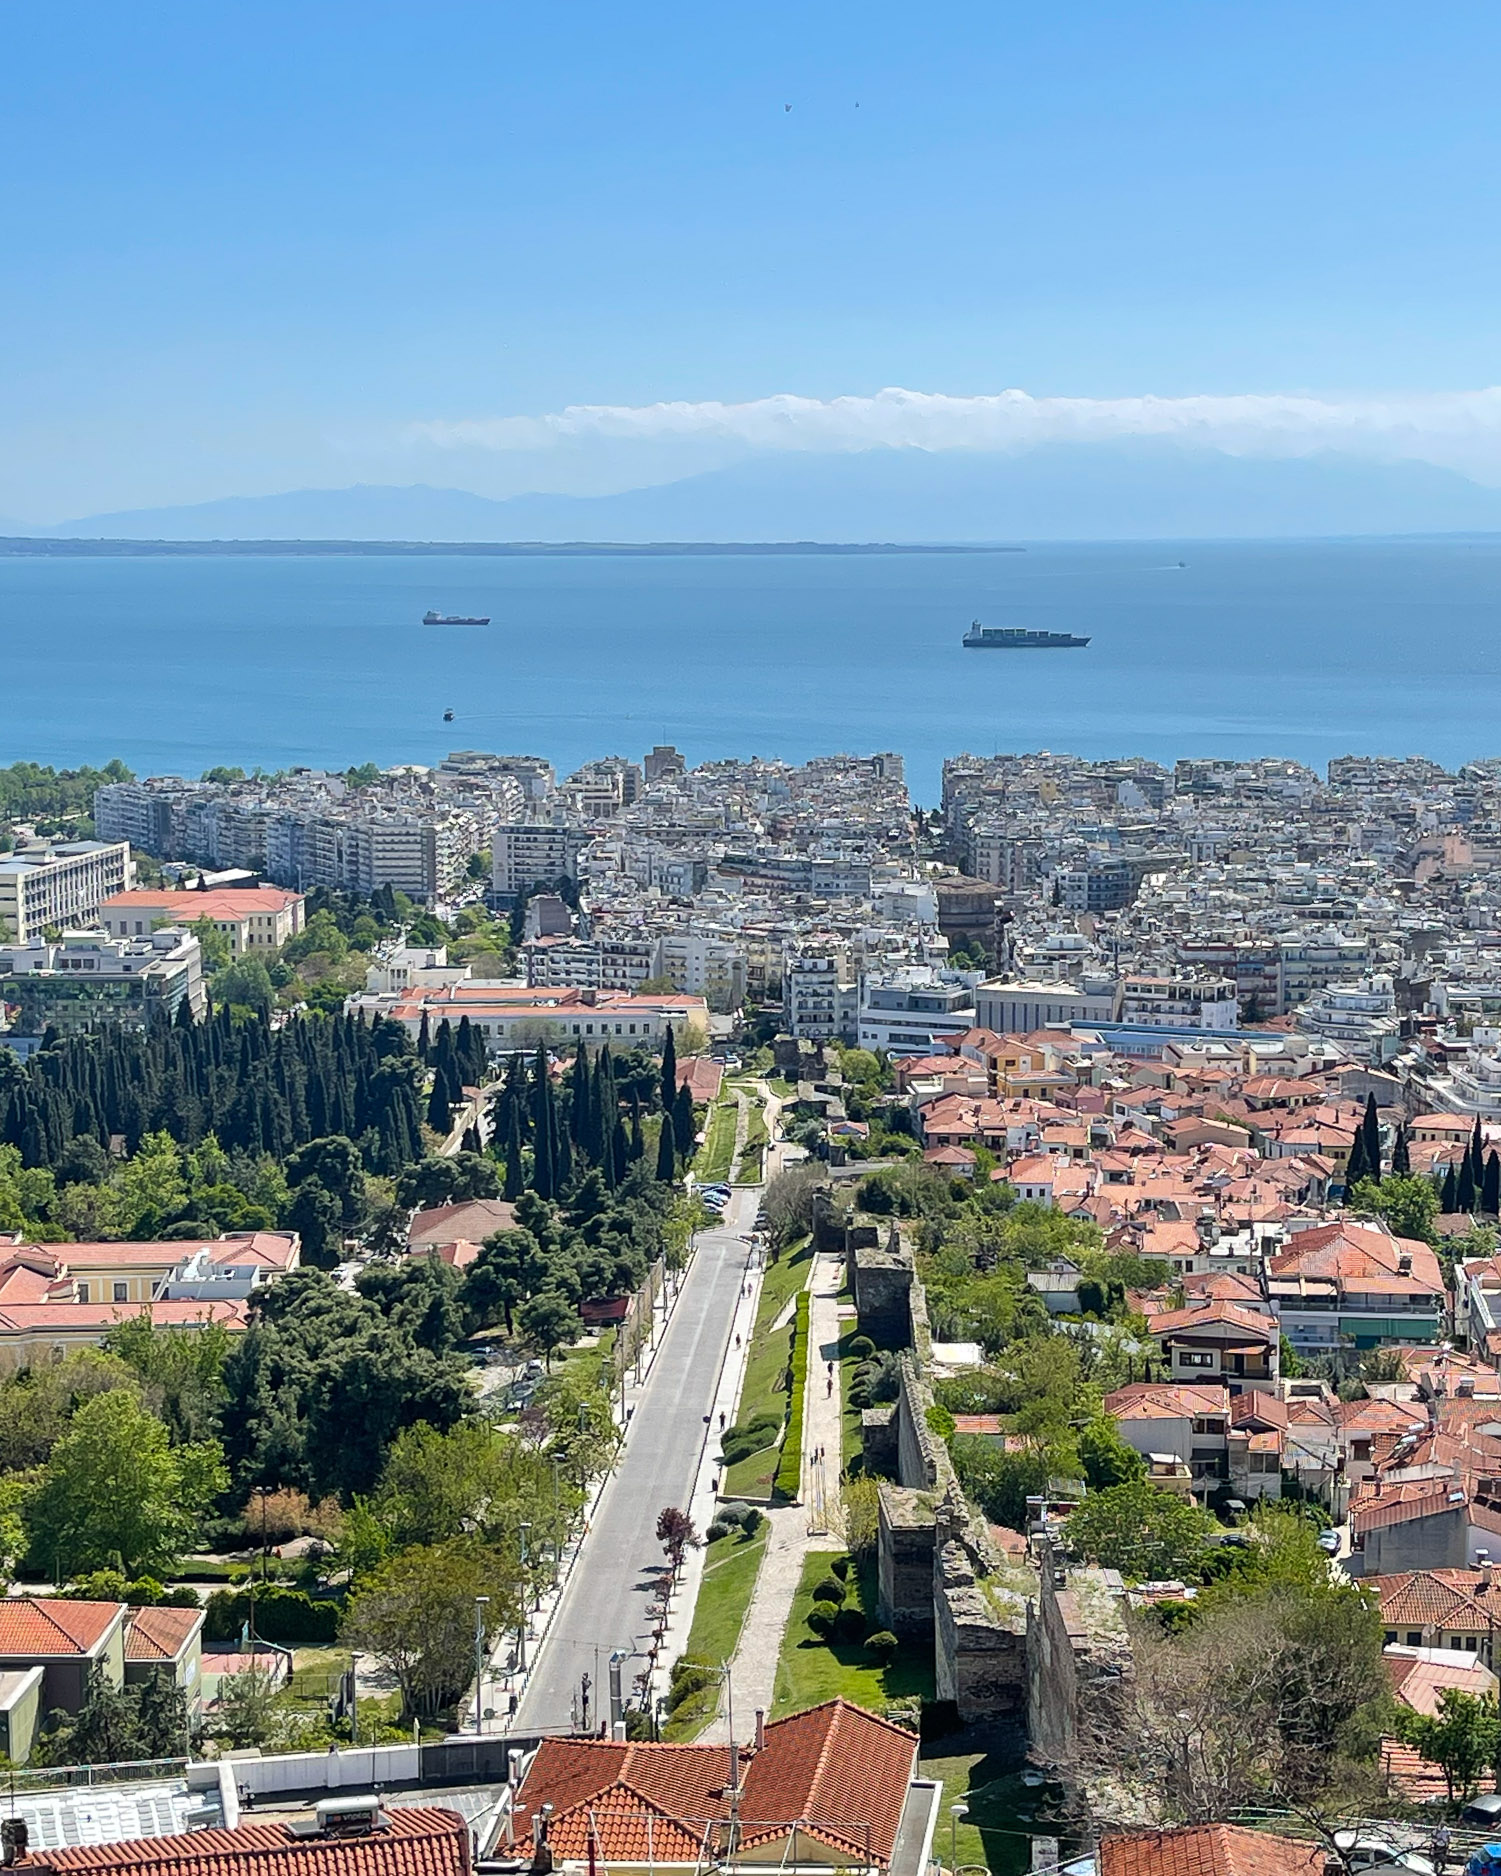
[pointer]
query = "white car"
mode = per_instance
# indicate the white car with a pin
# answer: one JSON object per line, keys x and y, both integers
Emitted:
{"x": 1360, "y": 1854}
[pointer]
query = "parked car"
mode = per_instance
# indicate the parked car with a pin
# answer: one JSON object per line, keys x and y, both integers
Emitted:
{"x": 1360, "y": 1852}
{"x": 1329, "y": 1542}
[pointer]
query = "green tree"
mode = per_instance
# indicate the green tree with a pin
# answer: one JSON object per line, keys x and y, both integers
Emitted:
{"x": 548, "y": 1321}
{"x": 1144, "y": 1533}
{"x": 1370, "y": 1128}
{"x": 417, "y": 1613}
{"x": 438, "y": 1486}
{"x": 115, "y": 1492}
{"x": 105, "y": 1730}
{"x": 248, "y": 1710}
{"x": 1106, "y": 1458}
{"x": 214, "y": 944}
{"x": 1462, "y": 1738}
{"x": 1407, "y": 1205}
{"x": 181, "y": 1372}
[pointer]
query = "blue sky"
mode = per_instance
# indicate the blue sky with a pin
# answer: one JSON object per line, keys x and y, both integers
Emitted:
{"x": 257, "y": 247}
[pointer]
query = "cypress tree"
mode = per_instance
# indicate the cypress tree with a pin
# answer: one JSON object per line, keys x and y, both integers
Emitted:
{"x": 669, "y": 1071}
{"x": 682, "y": 1123}
{"x": 424, "y": 1039}
{"x": 439, "y": 1108}
{"x": 1464, "y": 1190}
{"x": 580, "y": 1092}
{"x": 620, "y": 1152}
{"x": 515, "y": 1183}
{"x": 1355, "y": 1166}
{"x": 667, "y": 1170}
{"x": 1371, "y": 1127}
{"x": 638, "y": 1144}
{"x": 1448, "y": 1198}
{"x": 1401, "y": 1162}
{"x": 544, "y": 1127}
{"x": 1490, "y": 1187}
{"x": 1477, "y": 1151}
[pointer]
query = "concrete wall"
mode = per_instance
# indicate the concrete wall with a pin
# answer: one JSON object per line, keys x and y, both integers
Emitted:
{"x": 882, "y": 1276}
{"x": 1432, "y": 1543}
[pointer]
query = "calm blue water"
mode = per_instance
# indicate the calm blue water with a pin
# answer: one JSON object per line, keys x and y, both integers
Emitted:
{"x": 1299, "y": 649}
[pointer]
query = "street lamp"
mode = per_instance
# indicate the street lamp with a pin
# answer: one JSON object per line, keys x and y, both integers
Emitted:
{"x": 480, "y": 1604}
{"x": 522, "y": 1530}
{"x": 956, "y": 1811}
{"x": 354, "y": 1697}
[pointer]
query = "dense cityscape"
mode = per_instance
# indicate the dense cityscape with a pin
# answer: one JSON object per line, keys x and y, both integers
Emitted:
{"x": 558, "y": 1286}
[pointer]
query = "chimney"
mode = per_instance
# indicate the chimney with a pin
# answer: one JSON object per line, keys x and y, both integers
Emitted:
{"x": 760, "y": 1729}
{"x": 14, "y": 1838}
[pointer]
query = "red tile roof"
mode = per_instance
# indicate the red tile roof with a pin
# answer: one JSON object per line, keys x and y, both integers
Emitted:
{"x": 415, "y": 1841}
{"x": 1208, "y": 1850}
{"x": 160, "y": 1634}
{"x": 839, "y": 1773}
{"x": 32, "y": 1625}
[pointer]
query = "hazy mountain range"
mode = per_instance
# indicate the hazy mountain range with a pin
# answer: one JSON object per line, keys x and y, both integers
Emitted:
{"x": 1127, "y": 491}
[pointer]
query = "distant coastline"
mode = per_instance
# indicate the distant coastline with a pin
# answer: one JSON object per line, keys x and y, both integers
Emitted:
{"x": 23, "y": 546}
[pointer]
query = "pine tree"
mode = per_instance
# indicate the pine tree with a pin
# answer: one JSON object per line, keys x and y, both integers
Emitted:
{"x": 667, "y": 1170}
{"x": 669, "y": 1071}
{"x": 1448, "y": 1198}
{"x": 1401, "y": 1161}
{"x": 1371, "y": 1127}
{"x": 1490, "y": 1187}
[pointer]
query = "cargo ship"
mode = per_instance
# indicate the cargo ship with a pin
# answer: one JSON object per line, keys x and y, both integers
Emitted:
{"x": 450, "y": 618}
{"x": 1016, "y": 638}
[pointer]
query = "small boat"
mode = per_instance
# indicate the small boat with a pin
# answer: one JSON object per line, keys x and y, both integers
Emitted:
{"x": 448, "y": 716}
{"x": 450, "y": 618}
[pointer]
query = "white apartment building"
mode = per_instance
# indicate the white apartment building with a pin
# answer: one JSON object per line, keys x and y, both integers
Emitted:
{"x": 819, "y": 993}
{"x": 59, "y": 883}
{"x": 534, "y": 853}
{"x": 1360, "y": 1018}
{"x": 909, "y": 1010}
{"x": 86, "y": 979}
{"x": 1185, "y": 1002}
{"x": 711, "y": 968}
{"x": 610, "y": 960}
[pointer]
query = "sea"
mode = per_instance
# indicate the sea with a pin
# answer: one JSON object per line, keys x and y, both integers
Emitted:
{"x": 1308, "y": 649}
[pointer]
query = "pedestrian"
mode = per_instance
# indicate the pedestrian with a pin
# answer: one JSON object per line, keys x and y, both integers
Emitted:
{"x": 721, "y": 1423}
{"x": 829, "y": 1389}
{"x": 737, "y": 1341}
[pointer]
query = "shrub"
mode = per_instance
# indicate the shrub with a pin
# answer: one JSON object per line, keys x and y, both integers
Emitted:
{"x": 284, "y": 1615}
{"x": 718, "y": 1529}
{"x": 840, "y": 1567}
{"x": 849, "y": 1624}
{"x": 862, "y": 1348}
{"x": 828, "y": 1589}
{"x": 789, "y": 1479}
{"x": 693, "y": 1680}
{"x": 751, "y": 1522}
{"x": 882, "y": 1646}
{"x": 822, "y": 1617}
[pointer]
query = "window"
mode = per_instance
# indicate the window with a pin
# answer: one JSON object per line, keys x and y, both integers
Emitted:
{"x": 83, "y": 1292}
{"x": 1194, "y": 1358}
{"x": 1414, "y": 1638}
{"x": 122, "y": 1292}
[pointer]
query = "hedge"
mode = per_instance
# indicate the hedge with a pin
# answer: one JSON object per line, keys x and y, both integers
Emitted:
{"x": 283, "y": 1615}
{"x": 789, "y": 1479}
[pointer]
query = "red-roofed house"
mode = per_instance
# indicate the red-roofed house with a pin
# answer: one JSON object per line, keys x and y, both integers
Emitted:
{"x": 1209, "y": 1850}
{"x": 1352, "y": 1284}
{"x": 66, "y": 1639}
{"x": 166, "y": 1638}
{"x": 1187, "y": 1423}
{"x": 258, "y": 918}
{"x": 832, "y": 1786}
{"x": 415, "y": 1840}
{"x": 1220, "y": 1342}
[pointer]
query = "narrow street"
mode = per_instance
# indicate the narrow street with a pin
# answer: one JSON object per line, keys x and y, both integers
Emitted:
{"x": 604, "y": 1605}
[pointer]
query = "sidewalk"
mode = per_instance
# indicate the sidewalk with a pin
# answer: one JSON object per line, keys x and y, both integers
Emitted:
{"x": 796, "y": 1530}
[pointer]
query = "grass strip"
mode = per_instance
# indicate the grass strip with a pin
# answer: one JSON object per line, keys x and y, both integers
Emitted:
{"x": 810, "y": 1670}
{"x": 731, "y": 1567}
{"x": 789, "y": 1479}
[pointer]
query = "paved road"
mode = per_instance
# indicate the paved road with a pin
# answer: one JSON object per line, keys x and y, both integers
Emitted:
{"x": 605, "y": 1602}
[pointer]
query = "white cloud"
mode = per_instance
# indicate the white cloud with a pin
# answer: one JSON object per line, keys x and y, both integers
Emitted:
{"x": 1461, "y": 429}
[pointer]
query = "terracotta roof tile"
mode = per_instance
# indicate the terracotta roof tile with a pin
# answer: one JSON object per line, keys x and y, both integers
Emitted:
{"x": 416, "y": 1841}
{"x": 33, "y": 1625}
{"x": 159, "y": 1634}
{"x": 1208, "y": 1850}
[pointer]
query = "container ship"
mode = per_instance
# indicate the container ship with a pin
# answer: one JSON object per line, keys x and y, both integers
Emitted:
{"x": 1016, "y": 638}
{"x": 450, "y": 618}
